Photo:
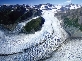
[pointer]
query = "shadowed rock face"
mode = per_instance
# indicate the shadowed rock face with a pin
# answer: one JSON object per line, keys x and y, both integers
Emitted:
{"x": 9, "y": 16}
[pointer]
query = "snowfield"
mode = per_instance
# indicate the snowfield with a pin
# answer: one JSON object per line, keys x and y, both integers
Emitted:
{"x": 33, "y": 46}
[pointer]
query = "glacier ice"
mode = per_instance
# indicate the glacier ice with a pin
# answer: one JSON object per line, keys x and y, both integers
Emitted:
{"x": 34, "y": 46}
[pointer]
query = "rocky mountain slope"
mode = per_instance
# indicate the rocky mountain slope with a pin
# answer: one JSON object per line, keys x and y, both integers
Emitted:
{"x": 72, "y": 21}
{"x": 11, "y": 15}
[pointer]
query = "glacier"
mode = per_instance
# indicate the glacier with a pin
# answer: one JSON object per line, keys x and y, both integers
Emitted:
{"x": 70, "y": 50}
{"x": 32, "y": 47}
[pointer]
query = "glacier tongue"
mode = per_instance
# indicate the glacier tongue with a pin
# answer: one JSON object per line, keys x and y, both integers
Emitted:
{"x": 39, "y": 45}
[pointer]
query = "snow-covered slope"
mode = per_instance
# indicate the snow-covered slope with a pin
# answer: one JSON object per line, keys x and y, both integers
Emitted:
{"x": 48, "y": 7}
{"x": 59, "y": 7}
{"x": 73, "y": 6}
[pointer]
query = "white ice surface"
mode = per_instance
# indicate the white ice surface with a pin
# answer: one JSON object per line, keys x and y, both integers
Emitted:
{"x": 69, "y": 51}
{"x": 58, "y": 6}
